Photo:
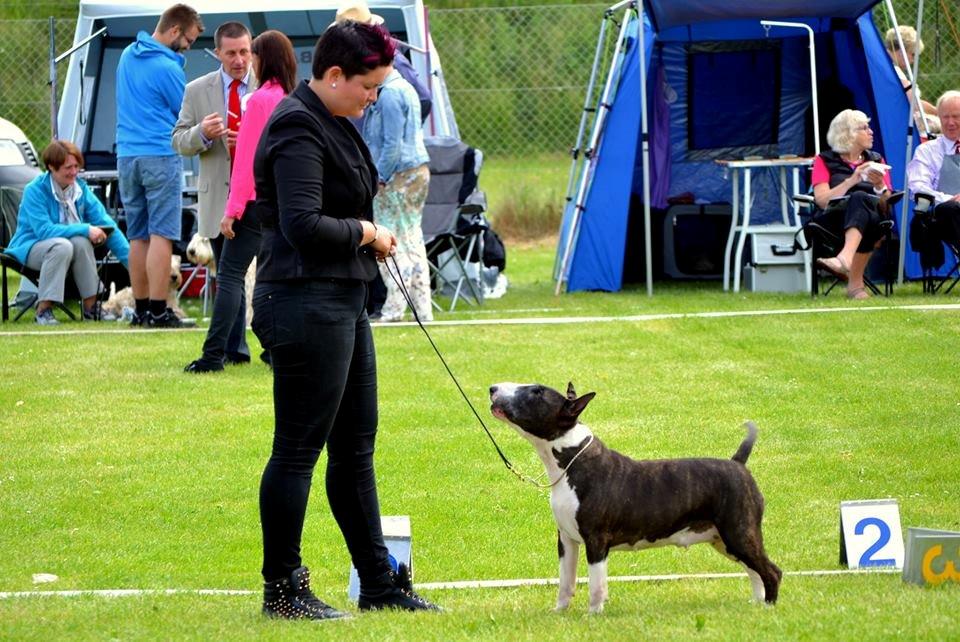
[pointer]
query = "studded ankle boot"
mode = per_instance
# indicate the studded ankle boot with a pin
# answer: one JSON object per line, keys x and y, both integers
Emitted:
{"x": 291, "y": 599}
{"x": 393, "y": 591}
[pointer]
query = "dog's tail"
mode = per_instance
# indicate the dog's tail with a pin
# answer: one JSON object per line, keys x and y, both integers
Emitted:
{"x": 747, "y": 445}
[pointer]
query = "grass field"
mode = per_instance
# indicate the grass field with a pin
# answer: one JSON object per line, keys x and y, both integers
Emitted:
{"x": 118, "y": 471}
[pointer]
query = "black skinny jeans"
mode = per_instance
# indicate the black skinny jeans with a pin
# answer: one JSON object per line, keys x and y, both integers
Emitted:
{"x": 227, "y": 334}
{"x": 324, "y": 393}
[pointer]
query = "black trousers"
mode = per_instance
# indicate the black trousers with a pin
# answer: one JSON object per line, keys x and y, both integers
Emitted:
{"x": 236, "y": 328}
{"x": 324, "y": 394}
{"x": 861, "y": 212}
{"x": 228, "y": 325}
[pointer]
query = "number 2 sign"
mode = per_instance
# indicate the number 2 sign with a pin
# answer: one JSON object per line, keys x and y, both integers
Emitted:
{"x": 870, "y": 535}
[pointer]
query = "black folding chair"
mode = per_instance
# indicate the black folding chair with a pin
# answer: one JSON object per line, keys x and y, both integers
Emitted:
{"x": 453, "y": 223}
{"x": 929, "y": 234}
{"x": 823, "y": 241}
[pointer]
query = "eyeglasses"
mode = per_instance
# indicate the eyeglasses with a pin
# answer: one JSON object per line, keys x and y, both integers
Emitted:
{"x": 863, "y": 128}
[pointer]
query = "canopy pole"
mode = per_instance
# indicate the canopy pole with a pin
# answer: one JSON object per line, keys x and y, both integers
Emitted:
{"x": 591, "y": 153}
{"x": 645, "y": 150}
{"x": 584, "y": 115}
{"x": 813, "y": 74}
{"x": 905, "y": 204}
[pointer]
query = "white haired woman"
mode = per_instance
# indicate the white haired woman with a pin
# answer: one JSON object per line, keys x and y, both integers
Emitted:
{"x": 851, "y": 168}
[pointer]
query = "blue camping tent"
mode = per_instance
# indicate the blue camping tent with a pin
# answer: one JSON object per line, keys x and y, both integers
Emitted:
{"x": 720, "y": 85}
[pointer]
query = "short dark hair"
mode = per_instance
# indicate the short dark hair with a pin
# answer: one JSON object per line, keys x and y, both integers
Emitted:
{"x": 275, "y": 59}
{"x": 55, "y": 154}
{"x": 180, "y": 15}
{"x": 355, "y": 47}
{"x": 230, "y": 29}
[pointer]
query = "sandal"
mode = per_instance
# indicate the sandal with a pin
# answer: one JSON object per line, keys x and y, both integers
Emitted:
{"x": 858, "y": 294}
{"x": 835, "y": 266}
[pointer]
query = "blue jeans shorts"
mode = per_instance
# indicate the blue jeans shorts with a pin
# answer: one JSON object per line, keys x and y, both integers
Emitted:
{"x": 151, "y": 189}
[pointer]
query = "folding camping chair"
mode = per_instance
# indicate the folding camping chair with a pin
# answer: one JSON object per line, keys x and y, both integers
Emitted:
{"x": 928, "y": 235}
{"x": 9, "y": 211}
{"x": 825, "y": 243}
{"x": 453, "y": 223}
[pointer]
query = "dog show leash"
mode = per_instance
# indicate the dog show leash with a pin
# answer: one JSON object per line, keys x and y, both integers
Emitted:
{"x": 398, "y": 280}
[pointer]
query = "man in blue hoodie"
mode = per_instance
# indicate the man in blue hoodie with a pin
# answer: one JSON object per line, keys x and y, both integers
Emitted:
{"x": 150, "y": 86}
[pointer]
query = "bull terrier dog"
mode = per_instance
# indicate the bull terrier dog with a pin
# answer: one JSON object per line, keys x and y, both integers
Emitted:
{"x": 608, "y": 501}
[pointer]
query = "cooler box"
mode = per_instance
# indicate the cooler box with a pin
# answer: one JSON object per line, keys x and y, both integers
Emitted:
{"x": 775, "y": 265}
{"x": 396, "y": 535}
{"x": 195, "y": 286}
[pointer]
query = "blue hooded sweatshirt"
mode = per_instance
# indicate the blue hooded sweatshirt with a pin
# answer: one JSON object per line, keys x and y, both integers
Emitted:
{"x": 150, "y": 84}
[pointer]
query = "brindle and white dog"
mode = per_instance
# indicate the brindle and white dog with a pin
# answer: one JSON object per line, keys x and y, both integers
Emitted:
{"x": 607, "y": 501}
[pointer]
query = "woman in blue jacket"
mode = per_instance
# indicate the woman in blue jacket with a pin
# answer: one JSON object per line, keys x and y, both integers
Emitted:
{"x": 59, "y": 223}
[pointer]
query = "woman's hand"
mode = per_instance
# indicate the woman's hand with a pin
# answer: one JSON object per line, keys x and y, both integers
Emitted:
{"x": 226, "y": 227}
{"x": 384, "y": 243}
{"x": 96, "y": 235}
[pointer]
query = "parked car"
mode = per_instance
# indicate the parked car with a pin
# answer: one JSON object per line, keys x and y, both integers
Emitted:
{"x": 19, "y": 162}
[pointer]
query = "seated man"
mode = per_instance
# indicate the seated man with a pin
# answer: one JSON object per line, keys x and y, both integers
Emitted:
{"x": 59, "y": 223}
{"x": 935, "y": 168}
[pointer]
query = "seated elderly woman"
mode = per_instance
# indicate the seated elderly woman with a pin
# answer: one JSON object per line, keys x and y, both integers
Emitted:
{"x": 851, "y": 169}
{"x": 59, "y": 223}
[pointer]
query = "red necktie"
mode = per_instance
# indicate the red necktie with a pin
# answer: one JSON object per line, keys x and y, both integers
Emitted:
{"x": 233, "y": 112}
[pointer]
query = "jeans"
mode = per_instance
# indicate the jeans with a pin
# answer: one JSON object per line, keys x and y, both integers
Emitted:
{"x": 228, "y": 325}
{"x": 324, "y": 394}
{"x": 151, "y": 189}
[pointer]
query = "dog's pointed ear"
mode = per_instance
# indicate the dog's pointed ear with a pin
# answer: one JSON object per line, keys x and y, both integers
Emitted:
{"x": 576, "y": 406}
{"x": 571, "y": 393}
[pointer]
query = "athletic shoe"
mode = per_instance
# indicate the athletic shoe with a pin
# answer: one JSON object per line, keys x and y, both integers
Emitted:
{"x": 292, "y": 599}
{"x": 46, "y": 318}
{"x": 168, "y": 319}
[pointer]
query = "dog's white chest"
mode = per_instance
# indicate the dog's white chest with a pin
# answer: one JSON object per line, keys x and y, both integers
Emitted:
{"x": 565, "y": 504}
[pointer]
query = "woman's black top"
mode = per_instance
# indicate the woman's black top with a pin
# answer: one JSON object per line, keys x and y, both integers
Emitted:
{"x": 840, "y": 170}
{"x": 315, "y": 180}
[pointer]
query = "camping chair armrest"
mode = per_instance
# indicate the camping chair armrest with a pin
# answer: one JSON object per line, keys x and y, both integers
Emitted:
{"x": 923, "y": 201}
{"x": 804, "y": 199}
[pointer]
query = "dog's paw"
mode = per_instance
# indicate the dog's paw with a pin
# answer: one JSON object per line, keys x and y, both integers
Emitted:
{"x": 595, "y": 609}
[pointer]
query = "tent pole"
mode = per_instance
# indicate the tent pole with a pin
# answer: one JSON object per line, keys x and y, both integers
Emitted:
{"x": 904, "y": 205}
{"x": 591, "y": 86}
{"x": 912, "y": 71}
{"x": 602, "y": 110}
{"x": 645, "y": 150}
{"x": 813, "y": 75}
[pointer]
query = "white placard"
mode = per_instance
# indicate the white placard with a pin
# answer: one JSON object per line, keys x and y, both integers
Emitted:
{"x": 870, "y": 534}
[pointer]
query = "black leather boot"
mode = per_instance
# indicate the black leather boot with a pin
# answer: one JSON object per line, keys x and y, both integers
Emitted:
{"x": 393, "y": 591}
{"x": 292, "y": 599}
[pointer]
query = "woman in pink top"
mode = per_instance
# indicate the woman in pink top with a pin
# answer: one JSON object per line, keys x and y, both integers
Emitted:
{"x": 850, "y": 168}
{"x": 275, "y": 66}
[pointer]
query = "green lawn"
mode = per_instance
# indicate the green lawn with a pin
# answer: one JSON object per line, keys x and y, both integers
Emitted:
{"x": 117, "y": 470}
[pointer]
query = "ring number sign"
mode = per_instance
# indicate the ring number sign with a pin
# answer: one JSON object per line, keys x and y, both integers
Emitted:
{"x": 870, "y": 534}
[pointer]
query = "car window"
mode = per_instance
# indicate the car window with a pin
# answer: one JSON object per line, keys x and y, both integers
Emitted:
{"x": 10, "y": 153}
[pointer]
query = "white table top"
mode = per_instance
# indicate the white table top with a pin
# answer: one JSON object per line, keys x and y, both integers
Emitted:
{"x": 797, "y": 161}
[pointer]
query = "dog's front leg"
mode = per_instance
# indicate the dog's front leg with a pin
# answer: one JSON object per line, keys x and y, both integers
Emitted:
{"x": 568, "y": 550}
{"x": 597, "y": 566}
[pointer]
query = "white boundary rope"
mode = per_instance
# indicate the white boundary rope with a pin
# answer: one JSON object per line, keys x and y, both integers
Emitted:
{"x": 637, "y": 318}
{"x": 441, "y": 586}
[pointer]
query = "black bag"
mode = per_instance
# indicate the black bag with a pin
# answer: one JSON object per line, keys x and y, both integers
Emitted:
{"x": 925, "y": 240}
{"x": 494, "y": 252}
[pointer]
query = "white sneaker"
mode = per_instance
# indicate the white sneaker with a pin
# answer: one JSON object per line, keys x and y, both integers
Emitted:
{"x": 46, "y": 318}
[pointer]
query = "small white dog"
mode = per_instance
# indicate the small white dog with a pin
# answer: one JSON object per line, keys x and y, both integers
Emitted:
{"x": 200, "y": 252}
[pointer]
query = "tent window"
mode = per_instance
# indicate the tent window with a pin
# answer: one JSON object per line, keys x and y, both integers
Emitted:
{"x": 733, "y": 96}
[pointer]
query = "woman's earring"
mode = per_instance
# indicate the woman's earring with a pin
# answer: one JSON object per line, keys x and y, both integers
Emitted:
{"x": 334, "y": 85}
